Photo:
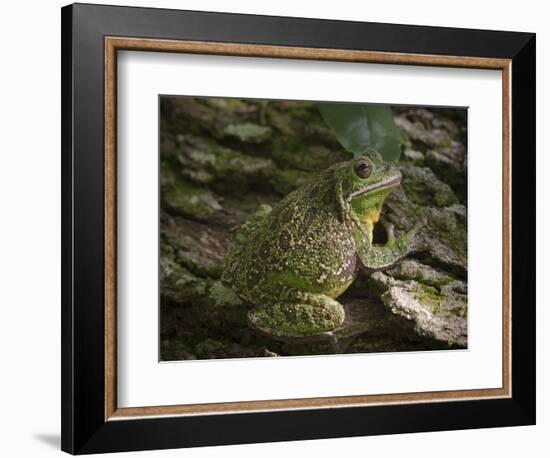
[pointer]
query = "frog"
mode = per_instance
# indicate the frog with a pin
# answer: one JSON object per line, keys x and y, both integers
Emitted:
{"x": 291, "y": 261}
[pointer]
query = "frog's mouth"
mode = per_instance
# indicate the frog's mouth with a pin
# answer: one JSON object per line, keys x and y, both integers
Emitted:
{"x": 389, "y": 183}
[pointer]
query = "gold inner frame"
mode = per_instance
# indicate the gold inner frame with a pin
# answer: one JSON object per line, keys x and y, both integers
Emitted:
{"x": 112, "y": 45}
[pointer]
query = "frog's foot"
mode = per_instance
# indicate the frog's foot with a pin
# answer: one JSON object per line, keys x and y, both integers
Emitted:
{"x": 314, "y": 314}
{"x": 390, "y": 235}
{"x": 374, "y": 257}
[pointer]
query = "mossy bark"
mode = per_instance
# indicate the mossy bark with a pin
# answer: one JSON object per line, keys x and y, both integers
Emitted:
{"x": 222, "y": 158}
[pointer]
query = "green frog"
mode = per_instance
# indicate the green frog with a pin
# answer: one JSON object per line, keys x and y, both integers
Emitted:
{"x": 292, "y": 261}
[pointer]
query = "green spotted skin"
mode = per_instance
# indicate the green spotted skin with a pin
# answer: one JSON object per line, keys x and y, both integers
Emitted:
{"x": 292, "y": 261}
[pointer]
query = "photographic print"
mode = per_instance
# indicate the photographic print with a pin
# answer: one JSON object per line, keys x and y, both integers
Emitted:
{"x": 237, "y": 197}
{"x": 295, "y": 228}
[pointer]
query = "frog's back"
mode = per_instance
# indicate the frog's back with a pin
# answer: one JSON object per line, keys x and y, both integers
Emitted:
{"x": 301, "y": 243}
{"x": 314, "y": 245}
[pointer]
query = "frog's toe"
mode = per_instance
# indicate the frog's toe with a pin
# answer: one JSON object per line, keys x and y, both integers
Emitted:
{"x": 390, "y": 231}
{"x": 297, "y": 320}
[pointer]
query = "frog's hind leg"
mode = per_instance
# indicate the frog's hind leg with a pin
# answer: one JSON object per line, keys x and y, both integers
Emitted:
{"x": 240, "y": 241}
{"x": 308, "y": 314}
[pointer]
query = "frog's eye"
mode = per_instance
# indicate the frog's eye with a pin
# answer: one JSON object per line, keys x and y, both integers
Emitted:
{"x": 363, "y": 168}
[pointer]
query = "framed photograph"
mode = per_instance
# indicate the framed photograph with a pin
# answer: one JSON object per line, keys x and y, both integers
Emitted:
{"x": 281, "y": 228}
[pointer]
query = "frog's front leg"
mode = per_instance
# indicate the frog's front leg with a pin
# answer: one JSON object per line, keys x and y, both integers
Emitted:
{"x": 298, "y": 314}
{"x": 380, "y": 257}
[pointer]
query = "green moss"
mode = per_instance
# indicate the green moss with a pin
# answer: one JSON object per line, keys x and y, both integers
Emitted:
{"x": 437, "y": 283}
{"x": 227, "y": 106}
{"x": 285, "y": 319}
{"x": 449, "y": 172}
{"x": 420, "y": 194}
{"x": 188, "y": 200}
{"x": 248, "y": 132}
{"x": 180, "y": 286}
{"x": 440, "y": 304}
{"x": 283, "y": 123}
{"x": 428, "y": 295}
{"x": 294, "y": 153}
{"x": 422, "y": 274}
{"x": 223, "y": 296}
{"x": 183, "y": 198}
{"x": 285, "y": 181}
{"x": 302, "y": 120}
{"x": 424, "y": 188}
{"x": 434, "y": 282}
{"x": 455, "y": 236}
{"x": 226, "y": 170}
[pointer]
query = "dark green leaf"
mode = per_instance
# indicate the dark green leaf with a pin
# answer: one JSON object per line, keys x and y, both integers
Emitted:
{"x": 361, "y": 127}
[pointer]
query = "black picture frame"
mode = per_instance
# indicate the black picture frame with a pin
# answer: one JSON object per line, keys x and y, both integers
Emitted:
{"x": 84, "y": 428}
